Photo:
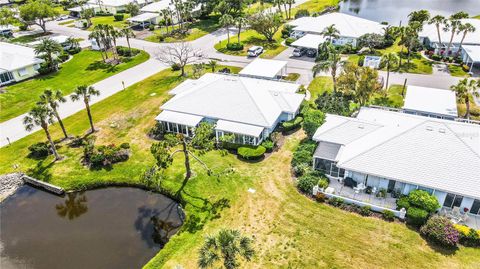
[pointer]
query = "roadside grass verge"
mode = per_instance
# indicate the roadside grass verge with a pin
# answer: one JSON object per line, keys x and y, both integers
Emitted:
{"x": 86, "y": 67}
{"x": 457, "y": 71}
{"x": 197, "y": 29}
{"x": 110, "y": 20}
{"x": 315, "y": 5}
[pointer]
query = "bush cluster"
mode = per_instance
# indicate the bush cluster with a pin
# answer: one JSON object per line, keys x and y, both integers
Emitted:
{"x": 302, "y": 157}
{"x": 63, "y": 56}
{"x": 118, "y": 17}
{"x": 292, "y": 124}
{"x": 103, "y": 13}
{"x": 302, "y": 13}
{"x": 416, "y": 216}
{"x": 468, "y": 236}
{"x": 289, "y": 41}
{"x": 235, "y": 46}
{"x": 74, "y": 50}
{"x": 388, "y": 215}
{"x": 39, "y": 150}
{"x": 306, "y": 182}
{"x": 268, "y": 144}
{"x": 126, "y": 52}
{"x": 104, "y": 155}
{"x": 312, "y": 119}
{"x": 419, "y": 205}
{"x": 441, "y": 231}
{"x": 251, "y": 153}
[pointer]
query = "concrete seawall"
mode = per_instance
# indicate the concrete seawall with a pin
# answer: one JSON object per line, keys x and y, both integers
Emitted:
{"x": 44, "y": 185}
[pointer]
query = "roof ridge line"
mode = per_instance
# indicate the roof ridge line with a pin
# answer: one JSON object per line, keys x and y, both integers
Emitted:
{"x": 461, "y": 140}
{"x": 254, "y": 101}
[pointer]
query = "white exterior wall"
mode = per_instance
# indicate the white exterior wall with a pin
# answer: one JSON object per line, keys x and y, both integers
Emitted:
{"x": 440, "y": 196}
{"x": 345, "y": 40}
{"x": 467, "y": 202}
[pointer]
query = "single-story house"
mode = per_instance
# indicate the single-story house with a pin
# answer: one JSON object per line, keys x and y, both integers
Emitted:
{"x": 350, "y": 27}
{"x": 61, "y": 39}
{"x": 429, "y": 37}
{"x": 17, "y": 63}
{"x": 249, "y": 108}
{"x": 114, "y": 6}
{"x": 309, "y": 41}
{"x": 372, "y": 61}
{"x": 431, "y": 102}
{"x": 145, "y": 19}
{"x": 157, "y": 7}
{"x": 399, "y": 152}
{"x": 77, "y": 11}
{"x": 471, "y": 56}
{"x": 264, "y": 68}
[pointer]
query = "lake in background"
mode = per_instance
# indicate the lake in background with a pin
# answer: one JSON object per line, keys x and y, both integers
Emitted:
{"x": 104, "y": 228}
{"x": 394, "y": 11}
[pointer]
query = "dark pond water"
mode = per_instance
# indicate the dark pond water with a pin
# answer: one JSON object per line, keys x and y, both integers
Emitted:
{"x": 394, "y": 11}
{"x": 104, "y": 228}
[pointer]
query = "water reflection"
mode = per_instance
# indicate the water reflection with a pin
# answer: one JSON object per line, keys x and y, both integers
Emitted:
{"x": 73, "y": 207}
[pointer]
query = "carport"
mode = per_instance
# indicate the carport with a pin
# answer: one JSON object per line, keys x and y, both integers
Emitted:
{"x": 142, "y": 19}
{"x": 309, "y": 41}
{"x": 471, "y": 55}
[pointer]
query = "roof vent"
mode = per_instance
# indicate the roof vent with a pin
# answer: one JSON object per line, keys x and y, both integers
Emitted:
{"x": 361, "y": 126}
{"x": 429, "y": 128}
{"x": 441, "y": 130}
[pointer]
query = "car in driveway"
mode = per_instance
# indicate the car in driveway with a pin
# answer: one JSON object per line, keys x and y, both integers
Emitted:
{"x": 255, "y": 51}
{"x": 63, "y": 17}
{"x": 311, "y": 53}
{"x": 299, "y": 52}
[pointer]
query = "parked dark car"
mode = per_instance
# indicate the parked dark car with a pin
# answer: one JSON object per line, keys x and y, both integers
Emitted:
{"x": 312, "y": 53}
{"x": 299, "y": 52}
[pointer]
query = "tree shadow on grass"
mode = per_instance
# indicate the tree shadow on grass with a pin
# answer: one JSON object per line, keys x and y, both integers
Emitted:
{"x": 41, "y": 171}
{"x": 434, "y": 246}
{"x": 101, "y": 65}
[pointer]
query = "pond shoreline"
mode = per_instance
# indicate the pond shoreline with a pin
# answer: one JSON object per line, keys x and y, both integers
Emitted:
{"x": 9, "y": 183}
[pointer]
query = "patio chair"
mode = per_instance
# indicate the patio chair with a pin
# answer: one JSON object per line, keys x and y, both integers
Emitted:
{"x": 456, "y": 211}
{"x": 349, "y": 182}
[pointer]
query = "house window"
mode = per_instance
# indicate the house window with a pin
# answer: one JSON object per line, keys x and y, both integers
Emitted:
{"x": 22, "y": 72}
{"x": 475, "y": 207}
{"x": 6, "y": 77}
{"x": 430, "y": 191}
{"x": 453, "y": 200}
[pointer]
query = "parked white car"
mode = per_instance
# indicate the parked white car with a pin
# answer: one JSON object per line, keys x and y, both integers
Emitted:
{"x": 255, "y": 51}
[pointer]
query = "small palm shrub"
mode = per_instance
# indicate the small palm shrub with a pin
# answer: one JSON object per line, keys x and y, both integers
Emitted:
{"x": 268, "y": 145}
{"x": 441, "y": 231}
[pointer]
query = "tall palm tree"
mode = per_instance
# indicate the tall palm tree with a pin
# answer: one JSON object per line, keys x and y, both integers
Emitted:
{"x": 85, "y": 93}
{"x": 166, "y": 15}
{"x": 455, "y": 23}
{"x": 438, "y": 20}
{"x": 389, "y": 60}
{"x": 72, "y": 43}
{"x": 113, "y": 34}
{"x": 41, "y": 115}
{"x": 465, "y": 29}
{"x": 48, "y": 47}
{"x": 53, "y": 100}
{"x": 465, "y": 91}
{"x": 240, "y": 22}
{"x": 226, "y": 21}
{"x": 225, "y": 247}
{"x": 127, "y": 33}
{"x": 332, "y": 63}
{"x": 331, "y": 33}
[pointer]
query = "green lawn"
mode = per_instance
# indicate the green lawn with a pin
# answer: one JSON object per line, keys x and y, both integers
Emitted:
{"x": 315, "y": 5}
{"x": 86, "y": 67}
{"x": 257, "y": 7}
{"x": 251, "y": 38}
{"x": 457, "y": 71}
{"x": 477, "y": 17}
{"x": 109, "y": 20}
{"x": 61, "y": 11}
{"x": 29, "y": 38}
{"x": 197, "y": 30}
{"x": 290, "y": 230}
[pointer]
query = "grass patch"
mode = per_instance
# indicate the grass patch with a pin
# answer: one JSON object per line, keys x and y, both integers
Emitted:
{"x": 315, "y": 5}
{"x": 197, "y": 29}
{"x": 457, "y": 71}
{"x": 251, "y": 38}
{"x": 477, "y": 17}
{"x": 110, "y": 20}
{"x": 418, "y": 64}
{"x": 318, "y": 86}
{"x": 257, "y": 7}
{"x": 29, "y": 38}
{"x": 292, "y": 77}
{"x": 66, "y": 22}
{"x": 391, "y": 98}
{"x": 86, "y": 67}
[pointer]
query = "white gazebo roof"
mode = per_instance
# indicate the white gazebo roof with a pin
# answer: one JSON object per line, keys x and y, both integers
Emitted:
{"x": 180, "y": 118}
{"x": 473, "y": 52}
{"x": 239, "y": 128}
{"x": 431, "y": 100}
{"x": 309, "y": 41}
{"x": 143, "y": 17}
{"x": 264, "y": 68}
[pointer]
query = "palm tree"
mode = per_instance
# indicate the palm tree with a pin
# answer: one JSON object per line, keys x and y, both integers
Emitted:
{"x": 455, "y": 23}
{"x": 438, "y": 20}
{"x": 53, "y": 99}
{"x": 41, "y": 115}
{"x": 465, "y": 91}
{"x": 165, "y": 14}
{"x": 332, "y": 63}
{"x": 85, "y": 93}
{"x": 113, "y": 34}
{"x": 226, "y": 246}
{"x": 330, "y": 32}
{"x": 240, "y": 22}
{"x": 127, "y": 33}
{"x": 226, "y": 21}
{"x": 389, "y": 60}
{"x": 48, "y": 47}
{"x": 212, "y": 64}
{"x": 465, "y": 28}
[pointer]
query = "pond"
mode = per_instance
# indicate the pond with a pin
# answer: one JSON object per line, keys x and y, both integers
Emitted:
{"x": 103, "y": 228}
{"x": 394, "y": 11}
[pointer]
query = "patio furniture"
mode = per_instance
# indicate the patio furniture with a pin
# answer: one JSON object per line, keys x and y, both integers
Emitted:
{"x": 360, "y": 187}
{"x": 349, "y": 182}
{"x": 330, "y": 190}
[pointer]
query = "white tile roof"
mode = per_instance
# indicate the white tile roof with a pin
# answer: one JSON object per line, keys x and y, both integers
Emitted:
{"x": 143, "y": 17}
{"x": 13, "y": 57}
{"x": 430, "y": 31}
{"x": 434, "y": 153}
{"x": 309, "y": 41}
{"x": 236, "y": 98}
{"x": 156, "y": 7}
{"x": 180, "y": 118}
{"x": 431, "y": 100}
{"x": 473, "y": 52}
{"x": 347, "y": 25}
{"x": 239, "y": 128}
{"x": 116, "y": 3}
{"x": 264, "y": 68}
{"x": 58, "y": 38}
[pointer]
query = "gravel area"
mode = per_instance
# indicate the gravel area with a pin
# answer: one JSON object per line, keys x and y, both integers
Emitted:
{"x": 9, "y": 184}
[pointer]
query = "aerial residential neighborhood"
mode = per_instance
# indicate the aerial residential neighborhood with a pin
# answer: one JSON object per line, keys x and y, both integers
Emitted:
{"x": 239, "y": 134}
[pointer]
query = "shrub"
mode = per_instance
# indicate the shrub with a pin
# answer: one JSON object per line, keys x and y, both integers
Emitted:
{"x": 304, "y": 153}
{"x": 441, "y": 231}
{"x": 465, "y": 68}
{"x": 382, "y": 193}
{"x": 416, "y": 216}
{"x": 388, "y": 215}
{"x": 235, "y": 46}
{"x": 251, "y": 153}
{"x": 403, "y": 203}
{"x": 306, "y": 183}
{"x": 436, "y": 57}
{"x": 423, "y": 200}
{"x": 39, "y": 150}
{"x": 323, "y": 183}
{"x": 118, "y": 17}
{"x": 63, "y": 56}
{"x": 301, "y": 169}
{"x": 320, "y": 197}
{"x": 124, "y": 146}
{"x": 365, "y": 211}
{"x": 77, "y": 141}
{"x": 287, "y": 30}
{"x": 289, "y": 41}
{"x": 334, "y": 103}
{"x": 161, "y": 38}
{"x": 151, "y": 27}
{"x": 105, "y": 155}
{"x": 74, "y": 50}
{"x": 292, "y": 124}
{"x": 360, "y": 60}
{"x": 302, "y": 13}
{"x": 312, "y": 119}
{"x": 335, "y": 201}
{"x": 468, "y": 236}
{"x": 175, "y": 67}
{"x": 157, "y": 132}
{"x": 268, "y": 145}
{"x": 124, "y": 51}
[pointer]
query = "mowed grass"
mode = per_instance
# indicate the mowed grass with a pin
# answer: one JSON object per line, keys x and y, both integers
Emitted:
{"x": 290, "y": 230}
{"x": 85, "y": 68}
{"x": 251, "y": 38}
{"x": 257, "y": 7}
{"x": 196, "y": 30}
{"x": 110, "y": 20}
{"x": 457, "y": 71}
{"x": 315, "y": 5}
